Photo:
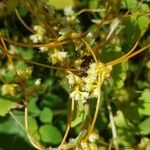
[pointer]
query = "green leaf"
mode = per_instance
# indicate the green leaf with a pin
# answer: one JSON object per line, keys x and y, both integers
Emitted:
{"x": 120, "y": 120}
{"x": 21, "y": 65}
{"x": 22, "y": 10}
{"x": 131, "y": 109}
{"x": 93, "y": 4}
{"x": 126, "y": 137}
{"x": 26, "y": 53}
{"x": 118, "y": 76}
{"x": 144, "y": 102}
{"x": 129, "y": 4}
{"x": 78, "y": 114}
{"x": 6, "y": 105}
{"x": 32, "y": 107}
{"x": 52, "y": 101}
{"x": 144, "y": 126}
{"x": 9, "y": 76}
{"x": 50, "y": 134}
{"x": 33, "y": 126}
{"x": 143, "y": 22}
{"x": 145, "y": 96}
{"x": 46, "y": 115}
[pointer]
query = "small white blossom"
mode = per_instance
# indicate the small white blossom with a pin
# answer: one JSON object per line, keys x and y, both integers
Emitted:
{"x": 43, "y": 49}
{"x": 39, "y": 35}
{"x": 58, "y": 57}
{"x": 10, "y": 67}
{"x": 90, "y": 38}
{"x": 79, "y": 96}
{"x": 75, "y": 95}
{"x": 38, "y": 82}
{"x": 69, "y": 11}
{"x": 62, "y": 55}
{"x": 93, "y": 137}
{"x": 73, "y": 79}
{"x": 12, "y": 49}
{"x": 84, "y": 96}
{"x": 84, "y": 88}
{"x": 84, "y": 145}
{"x": 95, "y": 92}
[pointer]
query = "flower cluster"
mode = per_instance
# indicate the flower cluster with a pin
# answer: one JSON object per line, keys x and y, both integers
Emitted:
{"x": 24, "y": 74}
{"x": 57, "y": 57}
{"x": 39, "y": 34}
{"x": 69, "y": 12}
{"x": 84, "y": 88}
{"x": 91, "y": 144}
{"x": 9, "y": 89}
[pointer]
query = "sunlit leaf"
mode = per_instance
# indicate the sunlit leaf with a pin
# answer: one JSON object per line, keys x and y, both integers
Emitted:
{"x": 46, "y": 115}
{"x": 78, "y": 114}
{"x": 33, "y": 108}
{"x": 50, "y": 134}
{"x": 144, "y": 126}
{"x": 144, "y": 102}
{"x": 6, "y": 106}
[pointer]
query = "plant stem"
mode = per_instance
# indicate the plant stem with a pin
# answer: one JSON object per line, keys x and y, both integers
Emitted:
{"x": 113, "y": 127}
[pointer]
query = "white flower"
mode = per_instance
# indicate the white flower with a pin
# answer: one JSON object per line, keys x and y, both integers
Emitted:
{"x": 62, "y": 55}
{"x": 38, "y": 82}
{"x": 84, "y": 96}
{"x": 39, "y": 29}
{"x": 84, "y": 145}
{"x": 79, "y": 95}
{"x": 58, "y": 56}
{"x": 12, "y": 49}
{"x": 68, "y": 11}
{"x": 43, "y": 49}
{"x": 39, "y": 35}
{"x": 95, "y": 92}
{"x": 75, "y": 95}
{"x": 93, "y": 137}
{"x": 73, "y": 79}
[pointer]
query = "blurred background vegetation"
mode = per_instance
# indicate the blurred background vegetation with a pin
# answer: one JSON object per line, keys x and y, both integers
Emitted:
{"x": 127, "y": 89}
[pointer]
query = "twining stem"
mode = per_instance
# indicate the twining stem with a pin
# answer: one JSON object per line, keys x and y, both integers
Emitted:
{"x": 19, "y": 123}
{"x": 68, "y": 126}
{"x": 91, "y": 51}
{"x": 52, "y": 44}
{"x": 25, "y": 130}
{"x": 27, "y": 4}
{"x": 128, "y": 57}
{"x": 130, "y": 51}
{"x": 113, "y": 127}
{"x": 33, "y": 142}
{"x": 100, "y": 81}
{"x": 88, "y": 10}
{"x": 44, "y": 65}
{"x": 31, "y": 139}
{"x": 101, "y": 77}
{"x": 22, "y": 22}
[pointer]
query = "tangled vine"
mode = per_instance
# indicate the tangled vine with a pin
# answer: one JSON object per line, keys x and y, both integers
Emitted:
{"x": 83, "y": 47}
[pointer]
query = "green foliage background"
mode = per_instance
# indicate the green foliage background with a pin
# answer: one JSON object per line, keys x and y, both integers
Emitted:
{"x": 128, "y": 88}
